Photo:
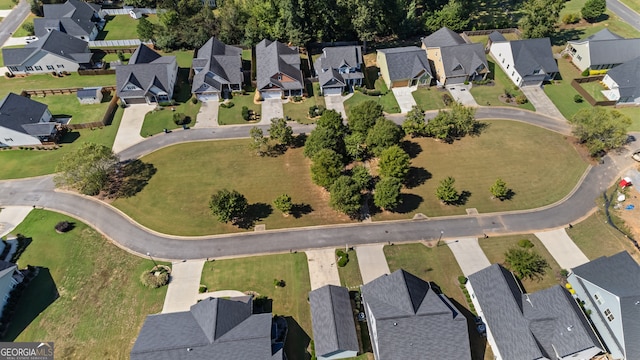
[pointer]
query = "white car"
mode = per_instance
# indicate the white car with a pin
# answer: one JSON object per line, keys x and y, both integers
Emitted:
{"x": 31, "y": 39}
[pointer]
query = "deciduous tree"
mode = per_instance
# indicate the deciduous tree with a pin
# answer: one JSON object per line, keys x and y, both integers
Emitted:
{"x": 539, "y": 17}
{"x": 280, "y": 132}
{"x": 499, "y": 189}
{"x": 526, "y": 263}
{"x": 146, "y": 29}
{"x": 327, "y": 166}
{"x": 414, "y": 123}
{"x": 228, "y": 205}
{"x": 86, "y": 169}
{"x": 361, "y": 176}
{"x": 385, "y": 133}
{"x": 362, "y": 117}
{"x": 345, "y": 196}
{"x": 446, "y": 192}
{"x": 258, "y": 143}
{"x": 600, "y": 129}
{"x": 453, "y": 15}
{"x": 593, "y": 9}
{"x": 387, "y": 193}
{"x": 394, "y": 162}
{"x": 283, "y": 203}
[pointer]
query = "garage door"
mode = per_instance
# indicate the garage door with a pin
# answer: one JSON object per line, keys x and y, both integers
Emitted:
{"x": 271, "y": 94}
{"x": 208, "y": 97}
{"x": 132, "y": 101}
{"x": 333, "y": 91}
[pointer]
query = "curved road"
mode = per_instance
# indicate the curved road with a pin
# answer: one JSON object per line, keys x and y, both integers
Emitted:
{"x": 133, "y": 237}
{"x": 625, "y": 13}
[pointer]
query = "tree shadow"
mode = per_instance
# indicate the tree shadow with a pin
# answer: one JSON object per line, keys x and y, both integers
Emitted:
{"x": 464, "y": 197}
{"x": 416, "y": 177}
{"x": 478, "y": 128}
{"x": 411, "y": 148}
{"x": 561, "y": 37}
{"x": 130, "y": 178}
{"x": 255, "y": 212}
{"x": 299, "y": 140}
{"x": 410, "y": 202}
{"x": 510, "y": 194}
{"x": 297, "y": 341}
{"x": 297, "y": 210}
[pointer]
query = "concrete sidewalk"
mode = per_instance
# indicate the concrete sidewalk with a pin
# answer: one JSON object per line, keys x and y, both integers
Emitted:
{"x": 562, "y": 248}
{"x": 183, "y": 286}
{"x": 323, "y": 269}
{"x": 469, "y": 255}
{"x": 130, "y": 126}
{"x": 372, "y": 262}
{"x": 12, "y": 216}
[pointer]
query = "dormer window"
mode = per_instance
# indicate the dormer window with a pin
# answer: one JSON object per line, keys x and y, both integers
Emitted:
{"x": 279, "y": 77}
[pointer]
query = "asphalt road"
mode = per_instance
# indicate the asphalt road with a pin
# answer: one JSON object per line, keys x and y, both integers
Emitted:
{"x": 11, "y": 23}
{"x": 131, "y": 236}
{"x": 625, "y": 13}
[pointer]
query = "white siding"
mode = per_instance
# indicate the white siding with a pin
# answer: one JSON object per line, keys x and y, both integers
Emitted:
{"x": 9, "y": 137}
{"x": 581, "y": 58}
{"x": 43, "y": 59}
{"x": 501, "y": 53}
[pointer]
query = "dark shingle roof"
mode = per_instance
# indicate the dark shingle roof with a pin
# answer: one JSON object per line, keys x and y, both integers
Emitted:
{"x": 332, "y": 316}
{"x": 627, "y": 76}
{"x": 619, "y": 274}
{"x": 74, "y": 17}
{"x": 274, "y": 57}
{"x": 463, "y": 59}
{"x": 406, "y": 62}
{"x": 146, "y": 69}
{"x": 55, "y": 42}
{"x": 443, "y": 37}
{"x": 496, "y": 36}
{"x": 334, "y": 58}
{"x": 530, "y": 326}
{"x": 413, "y": 321}
{"x": 606, "y": 47}
{"x": 219, "y": 64}
{"x": 17, "y": 111}
{"x": 604, "y": 34}
{"x": 533, "y": 54}
{"x": 88, "y": 92}
{"x": 217, "y": 329}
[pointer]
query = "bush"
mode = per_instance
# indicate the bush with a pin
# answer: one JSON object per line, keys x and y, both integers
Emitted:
{"x": 279, "y": 283}
{"x": 120, "y": 55}
{"x": 181, "y": 119}
{"x": 521, "y": 99}
{"x": 194, "y": 100}
{"x": 28, "y": 27}
{"x": 462, "y": 280}
{"x": 447, "y": 99}
{"x": 296, "y": 98}
{"x": 245, "y": 113}
{"x": 564, "y": 272}
{"x": 202, "y": 289}
{"x": 571, "y": 18}
{"x": 152, "y": 280}
{"x": 585, "y": 72}
{"x": 315, "y": 111}
{"x": 227, "y": 105}
{"x": 578, "y": 99}
{"x": 466, "y": 82}
{"x": 343, "y": 261}
{"x": 63, "y": 226}
{"x": 525, "y": 243}
{"x": 166, "y": 103}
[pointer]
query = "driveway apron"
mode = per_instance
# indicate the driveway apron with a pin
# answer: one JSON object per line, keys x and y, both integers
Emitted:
{"x": 184, "y": 285}
{"x": 336, "y": 103}
{"x": 372, "y": 262}
{"x": 469, "y": 255}
{"x": 208, "y": 115}
{"x": 322, "y": 268}
{"x": 461, "y": 94}
{"x": 567, "y": 254}
{"x": 541, "y": 101}
{"x": 130, "y": 126}
{"x": 404, "y": 98}
{"x": 271, "y": 109}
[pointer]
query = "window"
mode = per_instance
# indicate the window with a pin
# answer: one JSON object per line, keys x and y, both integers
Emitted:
{"x": 29, "y": 68}
{"x": 39, "y": 68}
{"x": 279, "y": 77}
{"x": 49, "y": 67}
{"x": 598, "y": 299}
{"x": 507, "y": 66}
{"x": 503, "y": 61}
{"x": 609, "y": 315}
{"x": 13, "y": 68}
{"x": 60, "y": 66}
{"x": 579, "y": 57}
{"x": 513, "y": 73}
{"x": 518, "y": 79}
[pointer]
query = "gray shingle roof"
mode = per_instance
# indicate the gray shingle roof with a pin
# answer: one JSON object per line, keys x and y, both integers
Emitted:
{"x": 332, "y": 316}
{"x": 530, "y": 326}
{"x": 217, "y": 329}
{"x": 496, "y": 36}
{"x": 88, "y": 92}
{"x": 463, "y": 59}
{"x": 145, "y": 69}
{"x": 533, "y": 54}
{"x": 219, "y": 64}
{"x": 443, "y": 37}
{"x": 627, "y": 76}
{"x": 74, "y": 18}
{"x": 406, "y": 62}
{"x": 606, "y": 47}
{"x": 604, "y": 34}
{"x": 55, "y": 42}
{"x": 274, "y": 57}
{"x": 619, "y": 274}
{"x": 333, "y": 58}
{"x": 413, "y": 321}
{"x": 17, "y": 111}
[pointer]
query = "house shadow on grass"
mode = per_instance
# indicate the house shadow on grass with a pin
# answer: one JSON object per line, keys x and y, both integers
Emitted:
{"x": 478, "y": 342}
{"x": 37, "y": 296}
{"x": 255, "y": 212}
{"x": 297, "y": 341}
{"x": 70, "y": 137}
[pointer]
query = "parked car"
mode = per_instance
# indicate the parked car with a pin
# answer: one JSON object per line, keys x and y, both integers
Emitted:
{"x": 31, "y": 39}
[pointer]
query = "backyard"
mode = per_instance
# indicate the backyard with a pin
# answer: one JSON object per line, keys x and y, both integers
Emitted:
{"x": 594, "y": 88}
{"x": 87, "y": 297}
{"x": 46, "y": 81}
{"x": 489, "y": 94}
{"x": 257, "y": 274}
{"x": 69, "y": 106}
{"x": 122, "y": 27}
{"x": 233, "y": 115}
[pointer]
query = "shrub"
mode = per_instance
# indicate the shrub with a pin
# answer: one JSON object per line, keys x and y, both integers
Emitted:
{"x": 120, "y": 55}
{"x": 54, "y": 74}
{"x": 296, "y": 98}
{"x": 577, "y": 98}
{"x": 462, "y": 280}
{"x": 585, "y": 72}
{"x": 525, "y": 243}
{"x": 63, "y": 226}
{"x": 447, "y": 99}
{"x": 279, "y": 283}
{"x": 181, "y": 119}
{"x": 202, "y": 289}
{"x": 564, "y": 272}
{"x": 571, "y": 18}
{"x": 340, "y": 253}
{"x": 521, "y": 99}
{"x": 28, "y": 27}
{"x": 194, "y": 100}
{"x": 245, "y": 113}
{"x": 227, "y": 105}
{"x": 154, "y": 279}
{"x": 466, "y": 82}
{"x": 343, "y": 261}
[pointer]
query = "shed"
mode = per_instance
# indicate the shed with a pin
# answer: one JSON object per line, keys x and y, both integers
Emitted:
{"x": 91, "y": 95}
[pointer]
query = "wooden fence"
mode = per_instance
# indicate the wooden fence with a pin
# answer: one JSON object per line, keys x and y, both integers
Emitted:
{"x": 585, "y": 94}
{"x": 487, "y": 32}
{"x": 96, "y": 71}
{"x": 59, "y": 91}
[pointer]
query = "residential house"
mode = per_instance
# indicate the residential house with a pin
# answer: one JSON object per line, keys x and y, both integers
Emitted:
{"x": 91, "y": 95}
{"x": 453, "y": 60}
{"x": 404, "y": 66}
{"x": 339, "y": 69}
{"x": 623, "y": 83}
{"x": 79, "y": 19}
{"x": 54, "y": 52}
{"x": 24, "y": 122}
{"x": 526, "y": 62}
{"x": 9, "y": 278}
{"x": 334, "y": 331}
{"x": 278, "y": 71}
{"x": 602, "y": 50}
{"x": 147, "y": 78}
{"x": 409, "y": 319}
{"x": 218, "y": 70}
{"x": 547, "y": 324}
{"x": 609, "y": 288}
{"x": 213, "y": 329}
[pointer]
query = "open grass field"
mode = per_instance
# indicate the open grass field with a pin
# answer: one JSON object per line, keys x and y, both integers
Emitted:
{"x": 195, "y": 171}
{"x": 257, "y": 274}
{"x": 486, "y": 95}
{"x": 16, "y": 164}
{"x": 46, "y": 81}
{"x": 122, "y": 27}
{"x": 495, "y": 247}
{"x": 101, "y": 304}
{"x": 20, "y": 32}
{"x": 68, "y": 105}
{"x": 229, "y": 116}
{"x": 562, "y": 93}
{"x": 7, "y": 4}
{"x": 429, "y": 98}
{"x": 350, "y": 276}
{"x": 476, "y": 163}
{"x": 300, "y": 111}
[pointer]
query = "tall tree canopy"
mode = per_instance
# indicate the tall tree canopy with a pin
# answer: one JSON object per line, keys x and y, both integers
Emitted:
{"x": 86, "y": 169}
{"x": 539, "y": 17}
{"x": 600, "y": 129}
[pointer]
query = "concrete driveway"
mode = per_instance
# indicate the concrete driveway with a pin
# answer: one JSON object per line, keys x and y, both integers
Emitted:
{"x": 372, "y": 262}
{"x": 183, "y": 286}
{"x": 404, "y": 97}
{"x": 13, "y": 41}
{"x": 336, "y": 103}
{"x": 12, "y": 216}
{"x": 567, "y": 254}
{"x": 469, "y": 255}
{"x": 271, "y": 108}
{"x": 322, "y": 268}
{"x": 208, "y": 115}
{"x": 130, "y": 126}
{"x": 541, "y": 101}
{"x": 461, "y": 94}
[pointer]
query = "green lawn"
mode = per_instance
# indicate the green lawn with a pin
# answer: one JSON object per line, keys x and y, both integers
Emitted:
{"x": 68, "y": 105}
{"x": 47, "y": 81}
{"x": 183, "y": 57}
{"x": 300, "y": 111}
{"x": 122, "y": 27}
{"x": 350, "y": 274}
{"x": 20, "y": 32}
{"x": 25, "y": 163}
{"x": 634, "y": 114}
{"x": 496, "y": 247}
{"x": 101, "y": 304}
{"x": 194, "y": 171}
{"x": 485, "y": 38}
{"x": 429, "y": 98}
{"x": 7, "y": 4}
{"x": 489, "y": 94}
{"x": 228, "y": 116}
{"x": 158, "y": 120}
{"x": 633, "y": 4}
{"x": 257, "y": 274}
{"x": 562, "y": 93}
{"x": 388, "y": 100}
{"x": 476, "y": 163}
{"x": 594, "y": 89}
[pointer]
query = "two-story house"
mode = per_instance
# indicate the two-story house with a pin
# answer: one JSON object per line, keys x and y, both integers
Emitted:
{"x": 278, "y": 71}
{"x": 526, "y": 62}
{"x": 339, "y": 69}
{"x": 79, "y": 19}
{"x": 218, "y": 70}
{"x": 404, "y": 66}
{"x": 602, "y": 50}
